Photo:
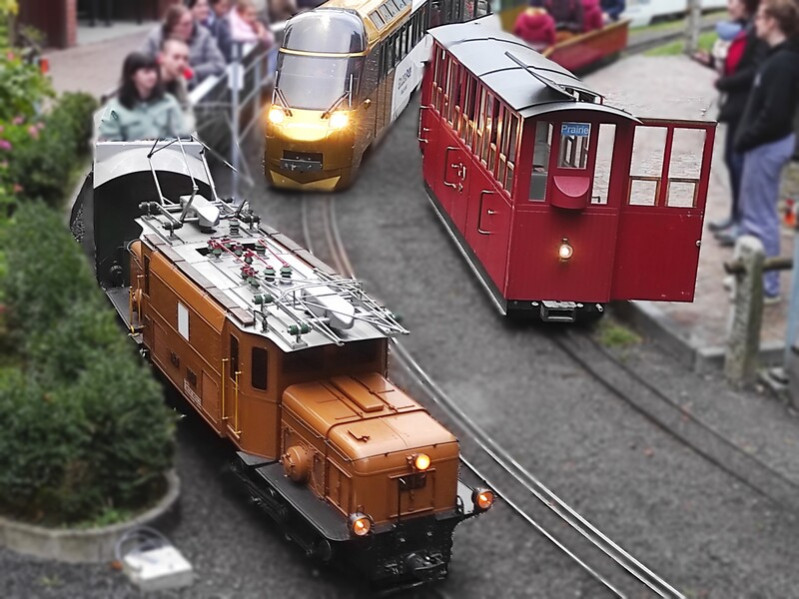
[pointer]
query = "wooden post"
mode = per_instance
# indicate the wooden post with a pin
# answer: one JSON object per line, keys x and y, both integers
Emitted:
{"x": 743, "y": 341}
{"x": 693, "y": 23}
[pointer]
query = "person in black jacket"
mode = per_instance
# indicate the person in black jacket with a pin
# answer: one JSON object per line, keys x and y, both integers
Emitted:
{"x": 744, "y": 55}
{"x": 765, "y": 134}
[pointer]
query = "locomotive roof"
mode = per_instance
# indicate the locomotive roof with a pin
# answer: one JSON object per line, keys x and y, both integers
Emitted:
{"x": 313, "y": 306}
{"x": 268, "y": 284}
{"x": 543, "y": 86}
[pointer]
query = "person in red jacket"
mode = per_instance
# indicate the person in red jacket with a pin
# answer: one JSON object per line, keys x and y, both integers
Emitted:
{"x": 592, "y": 15}
{"x": 536, "y": 27}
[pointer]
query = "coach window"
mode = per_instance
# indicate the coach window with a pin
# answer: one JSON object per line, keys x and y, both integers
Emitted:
{"x": 574, "y": 145}
{"x": 541, "y": 151}
{"x": 234, "y": 357}
{"x": 466, "y": 102}
{"x": 259, "y": 367}
{"x": 488, "y": 104}
{"x": 472, "y": 98}
{"x": 452, "y": 90}
{"x": 492, "y": 122}
{"x": 505, "y": 157}
{"x": 480, "y": 130}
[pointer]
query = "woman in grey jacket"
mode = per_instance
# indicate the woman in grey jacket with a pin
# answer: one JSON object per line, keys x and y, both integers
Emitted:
{"x": 141, "y": 109}
{"x": 205, "y": 59}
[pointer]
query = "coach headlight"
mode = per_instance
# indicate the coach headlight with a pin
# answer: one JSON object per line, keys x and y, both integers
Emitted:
{"x": 276, "y": 115}
{"x": 360, "y": 524}
{"x": 339, "y": 120}
{"x": 482, "y": 499}
{"x": 565, "y": 251}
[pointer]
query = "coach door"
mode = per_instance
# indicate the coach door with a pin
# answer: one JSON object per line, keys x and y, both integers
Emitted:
{"x": 660, "y": 219}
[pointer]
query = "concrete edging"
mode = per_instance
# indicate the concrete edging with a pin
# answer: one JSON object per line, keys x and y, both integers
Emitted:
{"x": 647, "y": 318}
{"x": 93, "y": 545}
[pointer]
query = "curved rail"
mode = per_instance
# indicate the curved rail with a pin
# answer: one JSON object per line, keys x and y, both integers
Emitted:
{"x": 505, "y": 461}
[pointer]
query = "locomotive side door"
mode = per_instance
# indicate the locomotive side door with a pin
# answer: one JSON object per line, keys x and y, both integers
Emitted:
{"x": 660, "y": 217}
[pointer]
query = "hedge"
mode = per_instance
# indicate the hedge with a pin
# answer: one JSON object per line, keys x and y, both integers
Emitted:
{"x": 83, "y": 426}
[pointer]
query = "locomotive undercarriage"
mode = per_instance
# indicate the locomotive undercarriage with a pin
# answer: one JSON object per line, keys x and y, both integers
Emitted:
{"x": 393, "y": 556}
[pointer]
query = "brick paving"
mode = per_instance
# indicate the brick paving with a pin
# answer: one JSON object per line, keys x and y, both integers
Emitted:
{"x": 676, "y": 87}
{"x": 94, "y": 68}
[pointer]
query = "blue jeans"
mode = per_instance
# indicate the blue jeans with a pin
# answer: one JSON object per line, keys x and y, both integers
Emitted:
{"x": 735, "y": 165}
{"x": 760, "y": 187}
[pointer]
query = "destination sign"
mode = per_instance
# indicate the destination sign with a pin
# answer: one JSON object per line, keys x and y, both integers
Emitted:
{"x": 575, "y": 129}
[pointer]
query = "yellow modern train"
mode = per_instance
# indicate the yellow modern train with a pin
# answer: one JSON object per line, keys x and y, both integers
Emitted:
{"x": 345, "y": 71}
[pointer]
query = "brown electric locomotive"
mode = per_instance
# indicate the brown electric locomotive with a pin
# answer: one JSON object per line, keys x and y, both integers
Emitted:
{"x": 284, "y": 358}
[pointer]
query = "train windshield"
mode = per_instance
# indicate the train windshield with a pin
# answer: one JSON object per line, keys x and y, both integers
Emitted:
{"x": 317, "y": 82}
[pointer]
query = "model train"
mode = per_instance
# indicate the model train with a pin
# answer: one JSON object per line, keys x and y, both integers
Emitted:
{"x": 282, "y": 357}
{"x": 345, "y": 72}
{"x": 574, "y": 51}
{"x": 559, "y": 202}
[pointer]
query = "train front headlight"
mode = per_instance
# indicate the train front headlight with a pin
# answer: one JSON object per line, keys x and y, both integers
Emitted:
{"x": 565, "y": 251}
{"x": 360, "y": 524}
{"x": 421, "y": 461}
{"x": 483, "y": 499}
{"x": 339, "y": 120}
{"x": 276, "y": 115}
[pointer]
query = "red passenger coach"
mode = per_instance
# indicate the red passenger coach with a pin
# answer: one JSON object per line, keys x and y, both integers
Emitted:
{"x": 559, "y": 202}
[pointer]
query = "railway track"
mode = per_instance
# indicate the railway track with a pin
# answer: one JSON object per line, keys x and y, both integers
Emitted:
{"x": 668, "y": 415}
{"x": 613, "y": 568}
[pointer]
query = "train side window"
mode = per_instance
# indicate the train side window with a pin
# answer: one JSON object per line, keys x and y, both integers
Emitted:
{"x": 183, "y": 321}
{"x": 574, "y": 145}
{"x": 603, "y": 165}
{"x": 513, "y": 136}
{"x": 509, "y": 131}
{"x": 480, "y": 130}
{"x": 377, "y": 20}
{"x": 147, "y": 275}
{"x": 452, "y": 90}
{"x": 234, "y": 357}
{"x": 259, "y": 367}
{"x": 541, "y": 151}
{"x": 496, "y": 148}
{"x": 463, "y": 122}
{"x": 488, "y": 126}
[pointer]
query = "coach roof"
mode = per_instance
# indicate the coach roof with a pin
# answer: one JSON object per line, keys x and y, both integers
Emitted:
{"x": 489, "y": 53}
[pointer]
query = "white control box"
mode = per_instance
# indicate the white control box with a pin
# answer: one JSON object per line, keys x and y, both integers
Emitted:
{"x": 158, "y": 569}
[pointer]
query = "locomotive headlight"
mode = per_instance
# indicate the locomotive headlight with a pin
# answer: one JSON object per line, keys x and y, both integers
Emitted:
{"x": 339, "y": 120}
{"x": 421, "y": 461}
{"x": 483, "y": 499}
{"x": 565, "y": 251}
{"x": 276, "y": 115}
{"x": 360, "y": 524}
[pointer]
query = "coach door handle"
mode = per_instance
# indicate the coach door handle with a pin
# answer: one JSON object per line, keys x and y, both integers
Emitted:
{"x": 484, "y": 193}
{"x": 422, "y": 139}
{"x": 446, "y": 153}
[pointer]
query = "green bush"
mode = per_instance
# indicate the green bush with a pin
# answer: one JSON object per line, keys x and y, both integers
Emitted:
{"x": 83, "y": 427}
{"x": 44, "y": 154}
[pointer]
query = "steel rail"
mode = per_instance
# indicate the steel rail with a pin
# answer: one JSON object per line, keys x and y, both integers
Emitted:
{"x": 682, "y": 425}
{"x": 621, "y": 557}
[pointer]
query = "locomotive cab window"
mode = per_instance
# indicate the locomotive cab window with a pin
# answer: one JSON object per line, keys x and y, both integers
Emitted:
{"x": 234, "y": 357}
{"x": 541, "y": 152}
{"x": 259, "y": 368}
{"x": 574, "y": 139}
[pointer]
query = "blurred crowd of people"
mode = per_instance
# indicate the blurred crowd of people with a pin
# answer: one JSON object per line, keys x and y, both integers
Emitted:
{"x": 195, "y": 40}
{"x": 546, "y": 22}
{"x": 757, "y": 59}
